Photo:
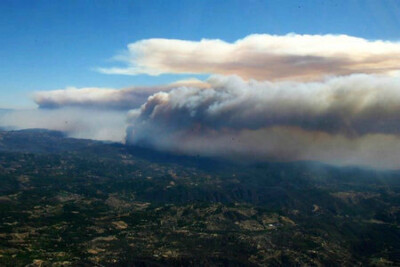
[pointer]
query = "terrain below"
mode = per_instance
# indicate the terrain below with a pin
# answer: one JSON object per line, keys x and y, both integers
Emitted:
{"x": 72, "y": 202}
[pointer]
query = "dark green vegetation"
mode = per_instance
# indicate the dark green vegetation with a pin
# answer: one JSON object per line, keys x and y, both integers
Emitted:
{"x": 69, "y": 202}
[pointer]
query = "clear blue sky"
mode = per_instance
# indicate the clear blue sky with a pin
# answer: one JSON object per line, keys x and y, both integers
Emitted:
{"x": 51, "y": 44}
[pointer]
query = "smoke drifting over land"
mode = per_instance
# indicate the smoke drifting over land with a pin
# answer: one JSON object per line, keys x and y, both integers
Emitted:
{"x": 343, "y": 120}
{"x": 330, "y": 98}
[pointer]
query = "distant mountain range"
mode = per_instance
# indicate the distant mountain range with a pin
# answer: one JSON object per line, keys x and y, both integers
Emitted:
{"x": 4, "y": 110}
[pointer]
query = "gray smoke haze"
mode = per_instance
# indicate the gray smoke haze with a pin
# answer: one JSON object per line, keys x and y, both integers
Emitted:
{"x": 75, "y": 122}
{"x": 92, "y": 113}
{"x": 105, "y": 98}
{"x": 343, "y": 120}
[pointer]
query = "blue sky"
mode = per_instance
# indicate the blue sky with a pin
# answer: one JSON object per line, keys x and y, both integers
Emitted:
{"x": 47, "y": 45}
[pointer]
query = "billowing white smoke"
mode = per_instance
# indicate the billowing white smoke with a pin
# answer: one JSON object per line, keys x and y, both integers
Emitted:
{"x": 262, "y": 57}
{"x": 343, "y": 120}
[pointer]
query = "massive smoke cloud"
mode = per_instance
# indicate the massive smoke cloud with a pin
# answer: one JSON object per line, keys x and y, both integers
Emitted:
{"x": 329, "y": 98}
{"x": 341, "y": 120}
{"x": 262, "y": 57}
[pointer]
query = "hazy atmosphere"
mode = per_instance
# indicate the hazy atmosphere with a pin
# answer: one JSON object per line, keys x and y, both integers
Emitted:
{"x": 279, "y": 91}
{"x": 199, "y": 133}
